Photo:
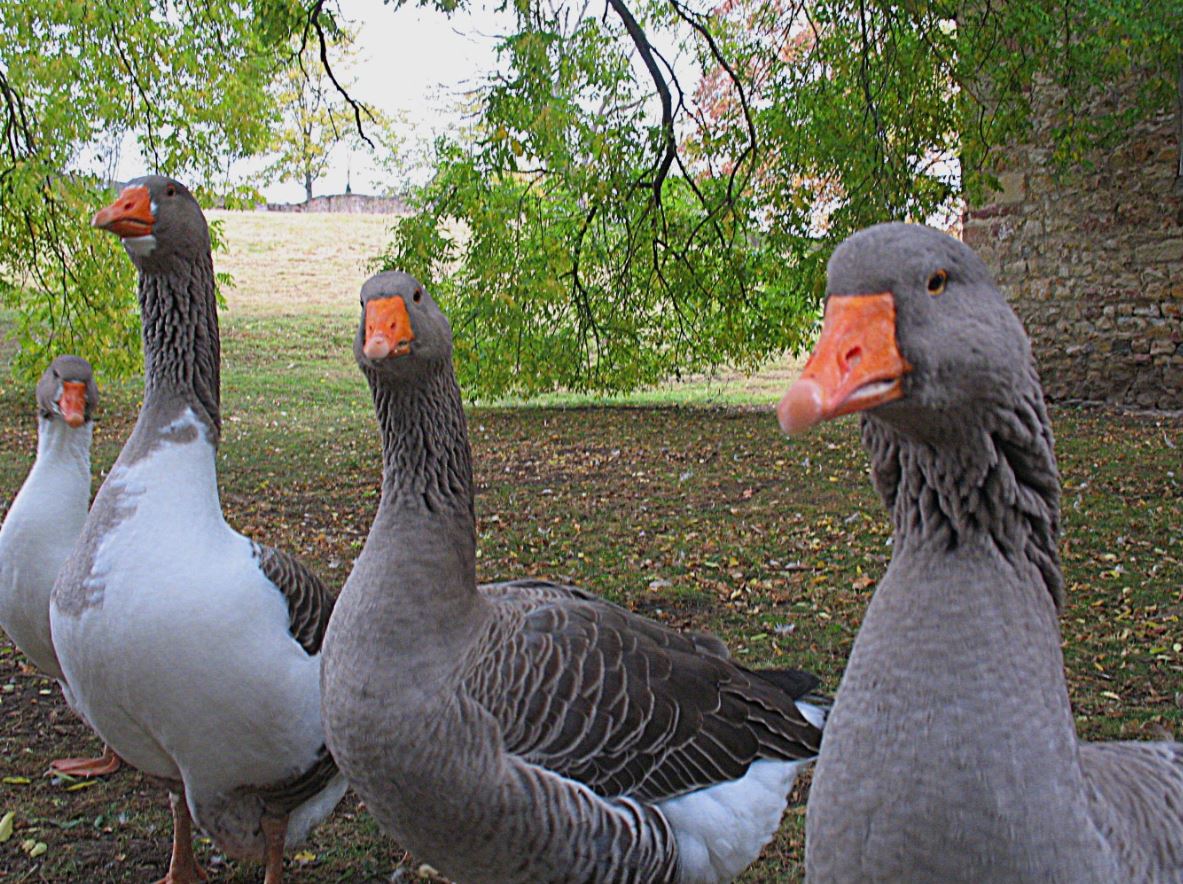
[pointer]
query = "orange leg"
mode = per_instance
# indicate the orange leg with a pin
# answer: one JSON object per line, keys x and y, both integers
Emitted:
{"x": 275, "y": 829}
{"x": 183, "y": 867}
{"x": 105, "y": 764}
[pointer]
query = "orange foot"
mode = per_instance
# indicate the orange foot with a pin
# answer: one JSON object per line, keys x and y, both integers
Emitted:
{"x": 182, "y": 867}
{"x": 190, "y": 875}
{"x": 105, "y": 764}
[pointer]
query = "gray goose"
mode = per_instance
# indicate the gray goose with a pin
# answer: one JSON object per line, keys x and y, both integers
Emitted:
{"x": 528, "y": 731}
{"x": 44, "y": 522}
{"x": 193, "y": 651}
{"x": 985, "y": 780}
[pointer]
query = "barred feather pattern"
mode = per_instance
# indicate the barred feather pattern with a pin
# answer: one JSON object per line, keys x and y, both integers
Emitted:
{"x": 309, "y": 602}
{"x": 626, "y": 705}
{"x": 1136, "y": 798}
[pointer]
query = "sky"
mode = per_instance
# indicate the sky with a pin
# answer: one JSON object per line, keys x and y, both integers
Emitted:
{"x": 417, "y": 61}
{"x": 411, "y": 62}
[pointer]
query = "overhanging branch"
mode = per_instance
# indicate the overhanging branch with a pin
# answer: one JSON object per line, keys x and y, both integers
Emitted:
{"x": 669, "y": 148}
{"x": 314, "y": 23}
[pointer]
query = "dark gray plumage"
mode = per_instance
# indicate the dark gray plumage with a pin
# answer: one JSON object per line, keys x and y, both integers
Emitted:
{"x": 309, "y": 602}
{"x": 951, "y": 753}
{"x": 528, "y": 731}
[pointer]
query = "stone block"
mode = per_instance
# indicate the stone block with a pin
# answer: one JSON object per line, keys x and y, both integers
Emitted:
{"x": 1013, "y": 189}
{"x": 1162, "y": 252}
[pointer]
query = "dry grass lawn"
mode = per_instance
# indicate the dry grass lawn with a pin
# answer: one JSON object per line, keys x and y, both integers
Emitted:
{"x": 292, "y": 262}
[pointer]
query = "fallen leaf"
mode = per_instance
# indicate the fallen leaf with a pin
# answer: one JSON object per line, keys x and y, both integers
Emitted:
{"x": 7, "y": 823}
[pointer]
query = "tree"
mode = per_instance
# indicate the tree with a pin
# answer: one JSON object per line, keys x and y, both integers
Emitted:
{"x": 316, "y": 117}
{"x": 605, "y": 223}
{"x": 75, "y": 78}
{"x": 606, "y": 228}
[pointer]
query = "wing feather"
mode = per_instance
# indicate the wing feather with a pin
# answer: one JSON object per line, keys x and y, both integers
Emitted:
{"x": 308, "y": 599}
{"x": 624, "y": 704}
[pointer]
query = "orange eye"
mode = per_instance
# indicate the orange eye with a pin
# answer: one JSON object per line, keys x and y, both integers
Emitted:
{"x": 936, "y": 282}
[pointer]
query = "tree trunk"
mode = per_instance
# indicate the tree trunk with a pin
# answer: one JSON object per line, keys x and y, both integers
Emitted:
{"x": 307, "y": 187}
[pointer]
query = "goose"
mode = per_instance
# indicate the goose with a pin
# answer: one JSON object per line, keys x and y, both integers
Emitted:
{"x": 43, "y": 522}
{"x": 193, "y": 651}
{"x": 986, "y": 779}
{"x": 527, "y": 731}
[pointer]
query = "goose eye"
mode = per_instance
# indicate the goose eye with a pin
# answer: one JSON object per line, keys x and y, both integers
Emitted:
{"x": 418, "y": 296}
{"x": 936, "y": 282}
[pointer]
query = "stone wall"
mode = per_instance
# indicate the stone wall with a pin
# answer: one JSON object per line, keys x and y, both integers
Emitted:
{"x": 350, "y": 203}
{"x": 1093, "y": 264}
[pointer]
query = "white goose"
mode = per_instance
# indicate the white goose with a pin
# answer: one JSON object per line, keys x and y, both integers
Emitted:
{"x": 193, "y": 651}
{"x": 44, "y": 521}
{"x": 527, "y": 731}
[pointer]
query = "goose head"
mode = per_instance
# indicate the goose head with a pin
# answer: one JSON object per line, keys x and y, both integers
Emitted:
{"x": 67, "y": 390}
{"x": 915, "y": 334}
{"x": 159, "y": 221}
{"x": 402, "y": 331}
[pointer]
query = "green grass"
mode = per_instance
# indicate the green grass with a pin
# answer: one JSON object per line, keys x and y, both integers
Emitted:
{"x": 703, "y": 517}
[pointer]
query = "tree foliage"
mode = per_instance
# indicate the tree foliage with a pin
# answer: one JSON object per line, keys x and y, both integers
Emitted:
{"x": 76, "y": 78}
{"x": 603, "y": 227}
{"x": 647, "y": 189}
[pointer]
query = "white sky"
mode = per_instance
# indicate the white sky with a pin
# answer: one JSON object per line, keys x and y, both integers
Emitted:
{"x": 413, "y": 62}
{"x": 418, "y": 61}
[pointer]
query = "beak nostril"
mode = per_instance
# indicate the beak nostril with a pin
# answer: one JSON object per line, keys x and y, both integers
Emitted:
{"x": 852, "y": 358}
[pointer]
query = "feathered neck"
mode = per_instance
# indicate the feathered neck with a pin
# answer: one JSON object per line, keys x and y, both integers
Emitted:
{"x": 182, "y": 349}
{"x": 991, "y": 474}
{"x": 426, "y": 460}
{"x": 57, "y": 441}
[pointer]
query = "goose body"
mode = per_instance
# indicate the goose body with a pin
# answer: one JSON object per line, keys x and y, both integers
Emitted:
{"x": 192, "y": 650}
{"x": 46, "y": 516}
{"x": 43, "y": 524}
{"x": 529, "y": 731}
{"x": 985, "y": 780}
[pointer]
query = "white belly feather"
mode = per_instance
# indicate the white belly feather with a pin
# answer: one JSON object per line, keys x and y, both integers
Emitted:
{"x": 185, "y": 664}
{"x": 720, "y": 830}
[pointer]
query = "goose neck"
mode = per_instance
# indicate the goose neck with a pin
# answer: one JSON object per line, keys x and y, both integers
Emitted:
{"x": 426, "y": 460}
{"x": 182, "y": 350}
{"x": 988, "y": 479}
{"x": 59, "y": 443}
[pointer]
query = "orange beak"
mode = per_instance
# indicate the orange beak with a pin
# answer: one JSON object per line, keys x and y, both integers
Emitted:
{"x": 388, "y": 328}
{"x": 130, "y": 215}
{"x": 855, "y": 365}
{"x": 72, "y": 403}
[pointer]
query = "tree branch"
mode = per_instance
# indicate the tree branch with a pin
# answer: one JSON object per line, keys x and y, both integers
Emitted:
{"x": 641, "y": 41}
{"x": 313, "y": 21}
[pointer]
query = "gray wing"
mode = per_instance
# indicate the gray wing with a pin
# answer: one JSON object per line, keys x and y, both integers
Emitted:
{"x": 625, "y": 705}
{"x": 533, "y": 590}
{"x": 308, "y": 599}
{"x": 1136, "y": 798}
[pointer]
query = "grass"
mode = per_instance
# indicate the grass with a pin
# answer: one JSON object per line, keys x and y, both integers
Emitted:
{"x": 702, "y": 517}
